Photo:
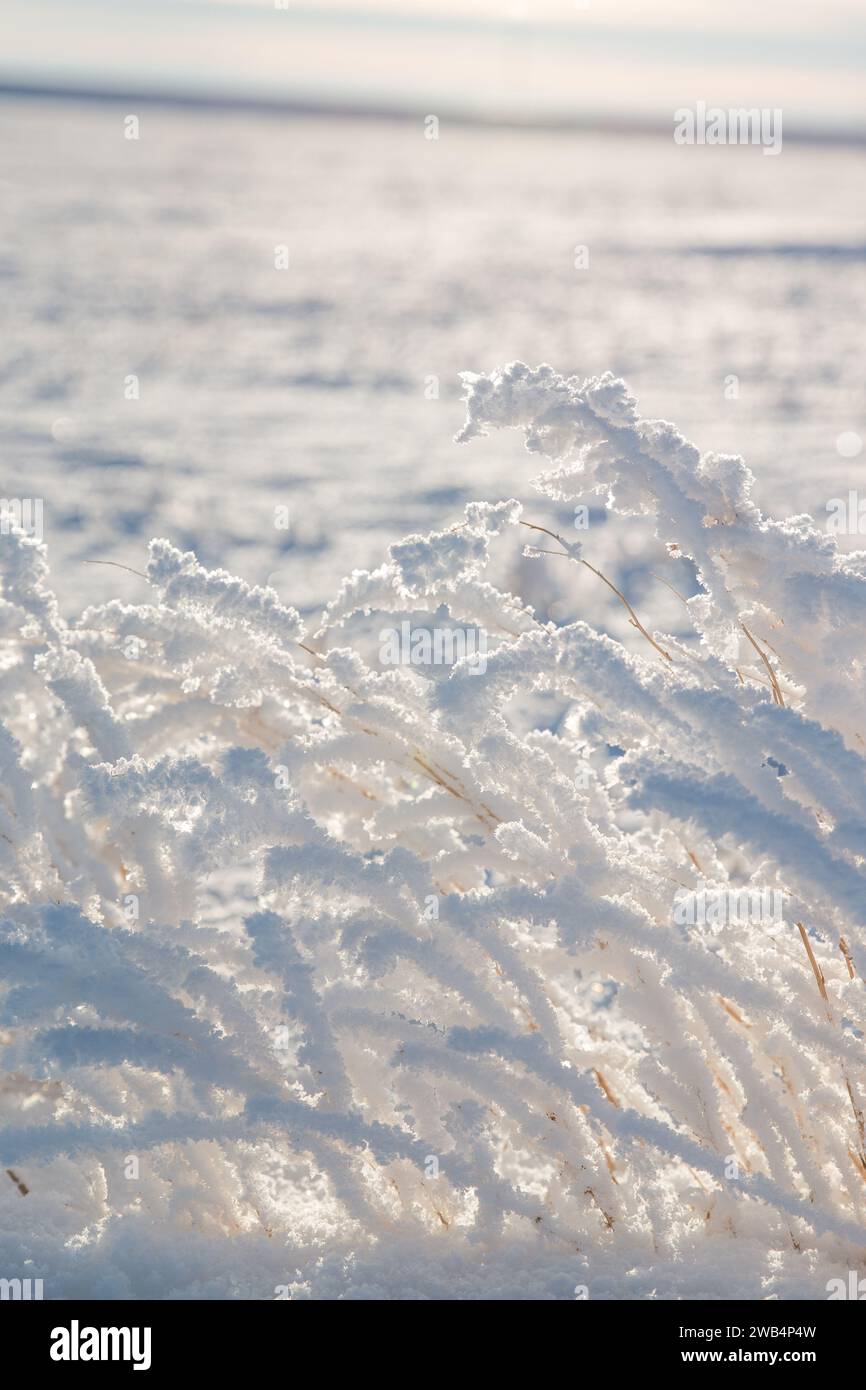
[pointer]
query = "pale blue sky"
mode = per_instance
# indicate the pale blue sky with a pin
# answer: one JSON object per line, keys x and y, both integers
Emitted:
{"x": 619, "y": 59}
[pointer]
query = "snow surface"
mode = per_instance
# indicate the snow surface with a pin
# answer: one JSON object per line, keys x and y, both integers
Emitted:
{"x": 408, "y": 258}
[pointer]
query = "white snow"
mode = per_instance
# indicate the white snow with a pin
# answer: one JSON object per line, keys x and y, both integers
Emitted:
{"x": 320, "y": 977}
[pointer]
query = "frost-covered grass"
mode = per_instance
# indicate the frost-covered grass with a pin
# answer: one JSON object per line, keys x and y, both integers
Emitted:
{"x": 343, "y": 979}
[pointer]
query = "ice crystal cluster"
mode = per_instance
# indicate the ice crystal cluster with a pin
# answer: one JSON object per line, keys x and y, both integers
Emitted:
{"x": 323, "y": 978}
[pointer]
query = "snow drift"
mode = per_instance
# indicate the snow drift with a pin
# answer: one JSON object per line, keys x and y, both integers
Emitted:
{"x": 322, "y": 977}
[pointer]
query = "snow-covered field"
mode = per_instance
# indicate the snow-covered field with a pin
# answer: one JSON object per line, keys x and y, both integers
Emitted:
{"x": 408, "y": 258}
{"x": 534, "y": 976}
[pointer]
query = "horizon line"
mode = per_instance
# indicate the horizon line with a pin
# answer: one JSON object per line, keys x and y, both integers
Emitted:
{"x": 602, "y": 124}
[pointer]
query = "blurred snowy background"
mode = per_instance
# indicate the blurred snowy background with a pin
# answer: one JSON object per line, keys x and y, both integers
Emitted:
{"x": 409, "y": 259}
